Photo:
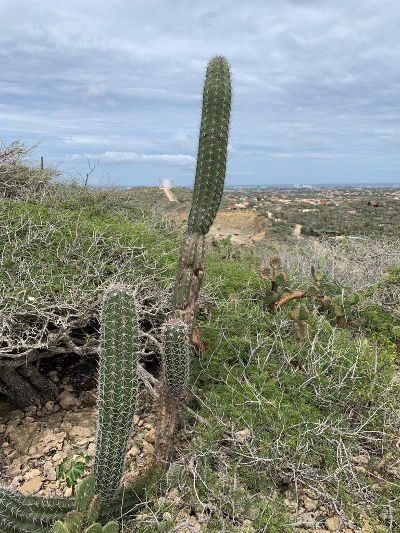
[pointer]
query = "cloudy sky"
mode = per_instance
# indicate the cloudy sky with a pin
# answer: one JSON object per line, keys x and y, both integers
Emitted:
{"x": 316, "y": 86}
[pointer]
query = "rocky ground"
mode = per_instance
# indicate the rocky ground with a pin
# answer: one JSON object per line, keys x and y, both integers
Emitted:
{"x": 35, "y": 441}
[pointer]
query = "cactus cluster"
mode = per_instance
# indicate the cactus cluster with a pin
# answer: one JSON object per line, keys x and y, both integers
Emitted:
{"x": 275, "y": 294}
{"x": 175, "y": 352}
{"x": 100, "y": 497}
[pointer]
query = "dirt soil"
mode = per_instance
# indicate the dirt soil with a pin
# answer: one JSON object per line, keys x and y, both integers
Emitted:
{"x": 246, "y": 227}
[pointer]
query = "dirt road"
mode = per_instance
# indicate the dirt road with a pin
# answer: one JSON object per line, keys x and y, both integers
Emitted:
{"x": 169, "y": 194}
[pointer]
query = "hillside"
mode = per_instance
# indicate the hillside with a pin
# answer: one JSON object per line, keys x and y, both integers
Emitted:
{"x": 293, "y": 420}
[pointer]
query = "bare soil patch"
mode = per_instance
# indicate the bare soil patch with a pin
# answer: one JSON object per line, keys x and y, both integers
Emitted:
{"x": 245, "y": 227}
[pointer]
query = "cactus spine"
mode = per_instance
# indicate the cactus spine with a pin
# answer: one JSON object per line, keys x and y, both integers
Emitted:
{"x": 208, "y": 187}
{"x": 117, "y": 389}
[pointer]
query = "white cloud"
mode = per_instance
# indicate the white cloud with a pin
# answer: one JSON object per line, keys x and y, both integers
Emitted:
{"x": 133, "y": 157}
{"x": 317, "y": 155}
{"x": 87, "y": 140}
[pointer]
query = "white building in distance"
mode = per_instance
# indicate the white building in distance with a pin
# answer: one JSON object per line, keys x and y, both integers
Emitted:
{"x": 165, "y": 184}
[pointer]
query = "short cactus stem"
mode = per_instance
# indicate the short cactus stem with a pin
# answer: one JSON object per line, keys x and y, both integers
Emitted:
{"x": 175, "y": 370}
{"x": 166, "y": 428}
{"x": 176, "y": 358}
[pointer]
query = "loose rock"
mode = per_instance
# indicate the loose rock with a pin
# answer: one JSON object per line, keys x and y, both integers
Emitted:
{"x": 68, "y": 400}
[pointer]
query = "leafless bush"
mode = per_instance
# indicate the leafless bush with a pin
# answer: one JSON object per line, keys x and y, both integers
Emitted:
{"x": 353, "y": 264}
{"x": 19, "y": 178}
{"x": 42, "y": 316}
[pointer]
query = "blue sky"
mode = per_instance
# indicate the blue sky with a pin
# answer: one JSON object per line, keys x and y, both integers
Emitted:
{"x": 316, "y": 87}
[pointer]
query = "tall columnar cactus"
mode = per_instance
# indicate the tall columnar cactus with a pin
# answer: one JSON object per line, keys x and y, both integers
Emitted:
{"x": 175, "y": 352}
{"x": 208, "y": 186}
{"x": 212, "y": 148}
{"x": 117, "y": 389}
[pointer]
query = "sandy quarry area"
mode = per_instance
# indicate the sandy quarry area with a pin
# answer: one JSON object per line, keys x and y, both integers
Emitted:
{"x": 245, "y": 227}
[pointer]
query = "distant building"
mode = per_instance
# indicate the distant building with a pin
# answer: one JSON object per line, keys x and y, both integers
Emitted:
{"x": 165, "y": 184}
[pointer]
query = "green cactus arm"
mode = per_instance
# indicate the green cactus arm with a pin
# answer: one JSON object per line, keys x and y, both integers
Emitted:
{"x": 36, "y": 504}
{"x": 213, "y": 146}
{"x": 176, "y": 357}
{"x": 12, "y": 524}
{"x": 31, "y": 513}
{"x": 117, "y": 389}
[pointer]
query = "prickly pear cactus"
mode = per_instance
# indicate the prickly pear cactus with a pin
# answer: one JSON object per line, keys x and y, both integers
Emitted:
{"x": 111, "y": 527}
{"x": 273, "y": 282}
{"x": 300, "y": 316}
{"x": 117, "y": 389}
{"x": 94, "y": 528}
{"x": 85, "y": 492}
{"x": 175, "y": 350}
{"x": 84, "y": 518}
{"x": 59, "y": 527}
